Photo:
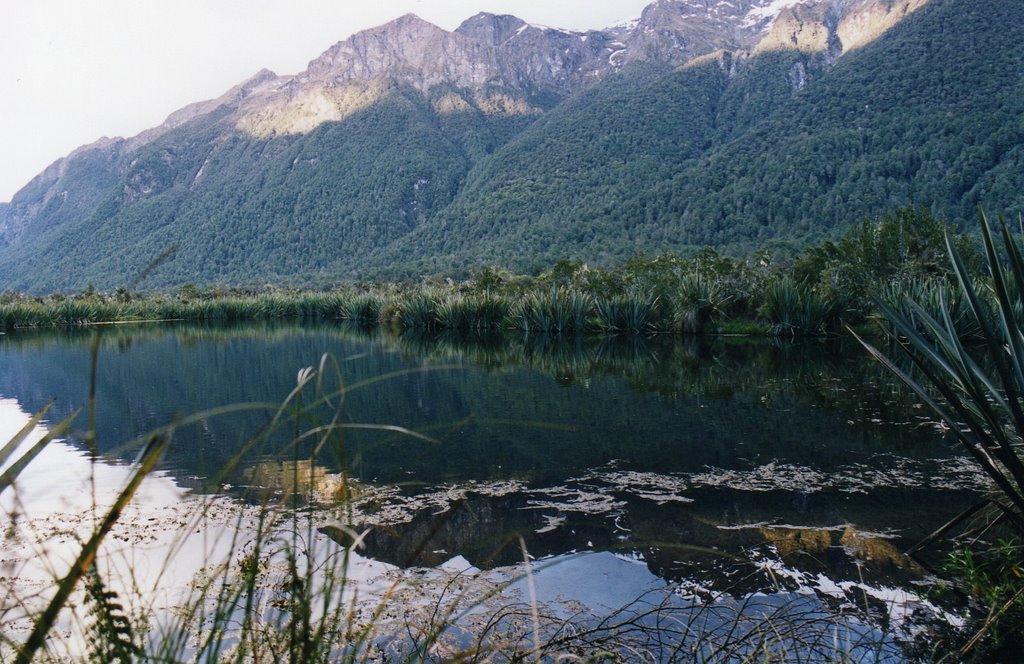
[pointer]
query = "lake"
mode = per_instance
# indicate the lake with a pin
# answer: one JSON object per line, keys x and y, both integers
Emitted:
{"x": 715, "y": 468}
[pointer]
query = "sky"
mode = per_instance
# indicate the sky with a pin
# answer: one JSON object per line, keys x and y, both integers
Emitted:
{"x": 72, "y": 71}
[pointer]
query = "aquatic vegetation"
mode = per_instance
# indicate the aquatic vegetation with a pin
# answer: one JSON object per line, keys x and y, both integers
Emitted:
{"x": 699, "y": 298}
{"x": 471, "y": 312}
{"x": 418, "y": 311}
{"x": 361, "y": 309}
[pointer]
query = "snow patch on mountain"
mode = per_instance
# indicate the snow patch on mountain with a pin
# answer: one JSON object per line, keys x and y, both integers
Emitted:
{"x": 769, "y": 12}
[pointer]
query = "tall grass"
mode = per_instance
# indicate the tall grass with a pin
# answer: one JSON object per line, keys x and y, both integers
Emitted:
{"x": 61, "y": 311}
{"x": 361, "y": 309}
{"x": 418, "y": 311}
{"x": 698, "y": 299}
{"x": 471, "y": 312}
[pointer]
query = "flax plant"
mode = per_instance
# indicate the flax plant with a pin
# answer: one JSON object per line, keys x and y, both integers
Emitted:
{"x": 977, "y": 391}
{"x": 560, "y": 310}
{"x": 632, "y": 314}
{"x": 796, "y": 310}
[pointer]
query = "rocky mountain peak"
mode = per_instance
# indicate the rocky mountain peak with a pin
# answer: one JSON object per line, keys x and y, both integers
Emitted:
{"x": 492, "y": 29}
{"x": 831, "y": 27}
{"x": 408, "y": 25}
{"x": 487, "y": 50}
{"x": 407, "y": 43}
{"x": 676, "y": 31}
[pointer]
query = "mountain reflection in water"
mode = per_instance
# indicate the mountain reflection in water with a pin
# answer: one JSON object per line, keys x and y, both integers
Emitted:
{"x": 734, "y": 465}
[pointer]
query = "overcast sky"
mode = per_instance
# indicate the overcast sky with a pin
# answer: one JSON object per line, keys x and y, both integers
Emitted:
{"x": 72, "y": 71}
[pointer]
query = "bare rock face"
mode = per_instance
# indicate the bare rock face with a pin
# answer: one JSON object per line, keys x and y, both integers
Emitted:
{"x": 676, "y": 31}
{"x": 823, "y": 31}
{"x": 499, "y": 64}
{"x": 408, "y": 48}
{"x": 548, "y": 61}
{"x": 864, "y": 21}
{"x": 491, "y": 28}
{"x": 834, "y": 27}
{"x": 808, "y": 28}
{"x": 485, "y": 50}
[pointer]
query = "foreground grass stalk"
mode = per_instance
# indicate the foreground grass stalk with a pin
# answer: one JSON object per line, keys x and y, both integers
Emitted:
{"x": 87, "y": 556}
{"x": 8, "y": 477}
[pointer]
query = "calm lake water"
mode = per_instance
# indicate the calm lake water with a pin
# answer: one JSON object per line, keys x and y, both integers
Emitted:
{"x": 739, "y": 465}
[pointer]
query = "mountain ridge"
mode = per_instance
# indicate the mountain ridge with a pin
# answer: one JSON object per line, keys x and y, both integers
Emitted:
{"x": 407, "y": 148}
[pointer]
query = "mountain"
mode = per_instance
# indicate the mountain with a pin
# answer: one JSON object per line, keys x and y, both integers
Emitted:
{"x": 408, "y": 149}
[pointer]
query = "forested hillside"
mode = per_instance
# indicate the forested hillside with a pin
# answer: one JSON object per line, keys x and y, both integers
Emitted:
{"x": 781, "y": 145}
{"x": 924, "y": 116}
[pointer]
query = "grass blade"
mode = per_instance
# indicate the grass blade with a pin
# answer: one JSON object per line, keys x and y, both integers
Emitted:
{"x": 85, "y": 558}
{"x": 11, "y": 474}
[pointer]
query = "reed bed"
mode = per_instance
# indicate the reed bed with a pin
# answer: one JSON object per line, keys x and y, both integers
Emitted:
{"x": 626, "y": 314}
{"x": 698, "y": 299}
{"x": 26, "y": 312}
{"x": 471, "y": 312}
{"x": 687, "y": 302}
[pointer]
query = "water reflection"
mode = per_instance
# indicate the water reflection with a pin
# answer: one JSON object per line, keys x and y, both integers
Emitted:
{"x": 499, "y": 406}
{"x": 303, "y": 477}
{"x": 737, "y": 465}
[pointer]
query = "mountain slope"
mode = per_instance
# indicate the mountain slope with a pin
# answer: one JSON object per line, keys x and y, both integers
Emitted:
{"x": 408, "y": 149}
{"x": 557, "y": 187}
{"x": 234, "y": 207}
{"x": 872, "y": 135}
{"x": 777, "y": 160}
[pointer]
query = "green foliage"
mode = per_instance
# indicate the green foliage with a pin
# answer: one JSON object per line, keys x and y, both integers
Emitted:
{"x": 886, "y": 259}
{"x": 362, "y": 309}
{"x": 937, "y": 299}
{"x": 699, "y": 298}
{"x": 556, "y": 311}
{"x": 994, "y": 577}
{"x": 471, "y": 312}
{"x": 418, "y": 311}
{"x": 977, "y": 393}
{"x": 793, "y": 309}
{"x": 905, "y": 246}
{"x": 626, "y": 314}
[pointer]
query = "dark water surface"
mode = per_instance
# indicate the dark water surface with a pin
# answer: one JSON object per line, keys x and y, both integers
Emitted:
{"x": 704, "y": 459}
